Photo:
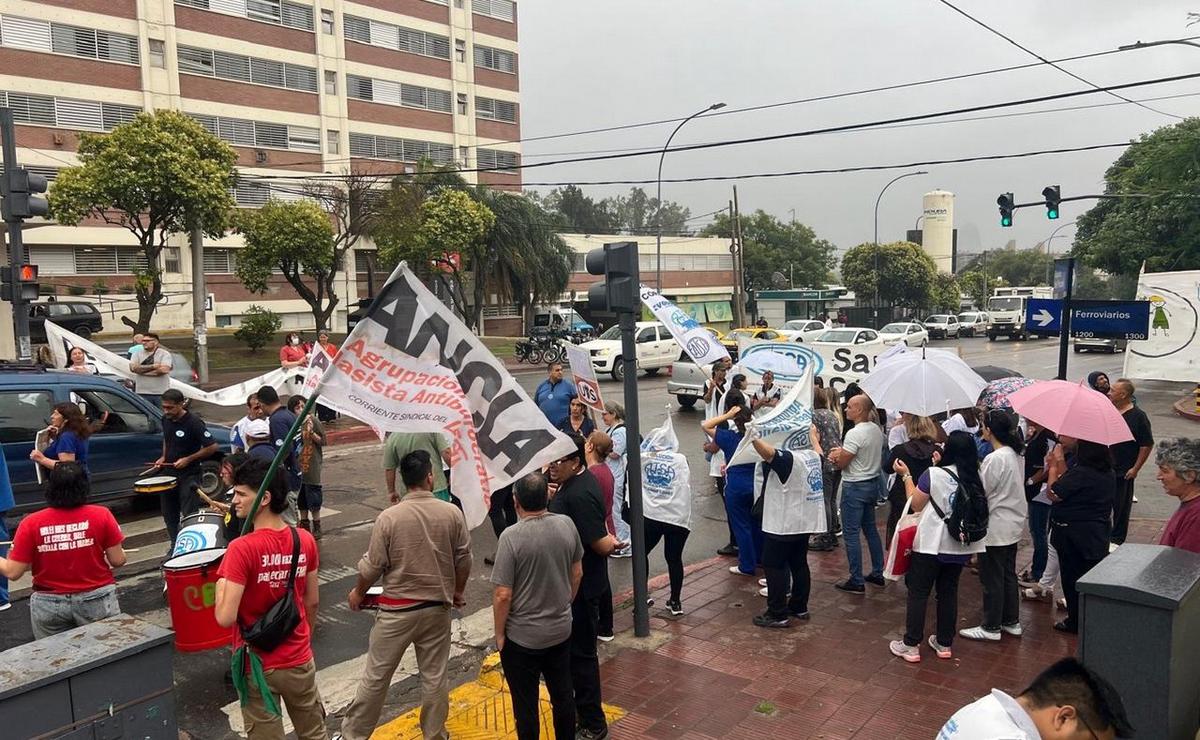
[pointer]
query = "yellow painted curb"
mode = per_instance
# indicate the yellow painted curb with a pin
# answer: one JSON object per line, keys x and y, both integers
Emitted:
{"x": 480, "y": 710}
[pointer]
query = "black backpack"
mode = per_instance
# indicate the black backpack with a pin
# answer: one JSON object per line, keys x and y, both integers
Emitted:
{"x": 968, "y": 519}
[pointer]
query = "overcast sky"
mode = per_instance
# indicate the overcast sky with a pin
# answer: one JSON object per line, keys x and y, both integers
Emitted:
{"x": 588, "y": 65}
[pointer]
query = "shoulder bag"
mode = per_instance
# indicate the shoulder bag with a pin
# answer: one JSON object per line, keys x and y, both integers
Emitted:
{"x": 280, "y": 621}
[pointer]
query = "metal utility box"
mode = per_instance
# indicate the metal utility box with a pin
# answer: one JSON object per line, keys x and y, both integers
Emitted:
{"x": 110, "y": 680}
{"x": 1140, "y": 629}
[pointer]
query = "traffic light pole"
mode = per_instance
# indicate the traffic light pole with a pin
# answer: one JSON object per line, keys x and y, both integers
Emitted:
{"x": 633, "y": 475}
{"x": 16, "y": 242}
{"x": 1064, "y": 335}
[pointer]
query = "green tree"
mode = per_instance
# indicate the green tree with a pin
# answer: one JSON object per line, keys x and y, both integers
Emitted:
{"x": 258, "y": 326}
{"x": 638, "y": 213}
{"x": 296, "y": 238}
{"x": 907, "y": 274}
{"x": 1015, "y": 266}
{"x": 452, "y": 231}
{"x": 946, "y": 294}
{"x": 158, "y": 175}
{"x": 771, "y": 246}
{"x": 1163, "y": 231}
{"x": 580, "y": 214}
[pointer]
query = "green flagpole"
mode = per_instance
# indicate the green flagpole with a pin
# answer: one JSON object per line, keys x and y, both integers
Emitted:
{"x": 279, "y": 455}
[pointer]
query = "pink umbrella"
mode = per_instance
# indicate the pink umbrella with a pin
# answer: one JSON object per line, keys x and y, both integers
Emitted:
{"x": 1074, "y": 410}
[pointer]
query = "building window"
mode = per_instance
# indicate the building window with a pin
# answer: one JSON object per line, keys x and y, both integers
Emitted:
{"x": 261, "y": 133}
{"x": 171, "y": 259}
{"x": 397, "y": 93}
{"x": 333, "y": 141}
{"x": 43, "y": 110}
{"x": 460, "y": 50}
{"x": 158, "y": 53}
{"x": 495, "y": 59}
{"x": 109, "y": 260}
{"x": 330, "y": 83}
{"x": 239, "y": 68}
{"x": 292, "y": 15}
{"x": 495, "y": 159}
{"x": 36, "y": 35}
{"x": 402, "y": 150}
{"x": 496, "y": 110}
{"x": 505, "y": 10}
{"x": 462, "y": 104}
{"x": 398, "y": 38}
{"x": 218, "y": 261}
{"x": 327, "y": 21}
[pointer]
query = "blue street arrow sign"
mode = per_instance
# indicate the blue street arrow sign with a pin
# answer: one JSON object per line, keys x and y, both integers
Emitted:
{"x": 1110, "y": 319}
{"x": 1043, "y": 315}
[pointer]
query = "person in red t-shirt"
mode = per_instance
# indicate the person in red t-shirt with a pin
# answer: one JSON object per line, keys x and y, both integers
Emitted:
{"x": 71, "y": 547}
{"x": 1179, "y": 473}
{"x": 253, "y": 577}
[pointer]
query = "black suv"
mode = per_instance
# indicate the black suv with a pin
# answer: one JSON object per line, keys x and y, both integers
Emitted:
{"x": 79, "y": 317}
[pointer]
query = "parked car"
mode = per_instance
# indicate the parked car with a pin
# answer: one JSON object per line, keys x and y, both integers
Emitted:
{"x": 848, "y": 335}
{"x": 127, "y": 439}
{"x": 687, "y": 381}
{"x": 1111, "y": 346}
{"x": 79, "y": 317}
{"x": 909, "y": 332}
{"x": 942, "y": 326}
{"x": 972, "y": 323}
{"x": 656, "y": 349}
{"x": 803, "y": 330}
{"x": 730, "y": 340}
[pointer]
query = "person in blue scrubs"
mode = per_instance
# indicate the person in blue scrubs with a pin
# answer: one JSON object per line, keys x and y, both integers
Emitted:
{"x": 739, "y": 487}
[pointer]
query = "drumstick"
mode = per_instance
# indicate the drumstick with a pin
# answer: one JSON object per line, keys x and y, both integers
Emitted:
{"x": 150, "y": 469}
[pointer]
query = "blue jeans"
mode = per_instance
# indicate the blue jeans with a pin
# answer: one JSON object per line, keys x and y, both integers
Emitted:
{"x": 858, "y": 513}
{"x": 749, "y": 536}
{"x": 51, "y": 614}
{"x": 1039, "y": 531}
{"x": 3, "y": 553}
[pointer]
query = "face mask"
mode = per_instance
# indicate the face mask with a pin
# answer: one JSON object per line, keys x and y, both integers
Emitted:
{"x": 295, "y": 341}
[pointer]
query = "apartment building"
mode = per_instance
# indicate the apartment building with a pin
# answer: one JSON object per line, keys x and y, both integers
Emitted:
{"x": 297, "y": 87}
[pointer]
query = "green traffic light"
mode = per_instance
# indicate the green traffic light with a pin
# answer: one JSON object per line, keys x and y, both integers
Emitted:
{"x": 1007, "y": 220}
{"x": 1051, "y": 213}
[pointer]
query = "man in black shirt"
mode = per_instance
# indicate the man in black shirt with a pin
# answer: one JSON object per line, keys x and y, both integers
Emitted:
{"x": 186, "y": 442}
{"x": 1128, "y": 457}
{"x": 579, "y": 497}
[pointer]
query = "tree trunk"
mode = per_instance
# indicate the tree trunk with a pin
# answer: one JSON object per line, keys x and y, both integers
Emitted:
{"x": 147, "y": 299}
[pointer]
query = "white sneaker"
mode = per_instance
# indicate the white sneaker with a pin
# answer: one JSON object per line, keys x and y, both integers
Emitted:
{"x": 738, "y": 571}
{"x": 979, "y": 633}
{"x": 910, "y": 653}
{"x": 763, "y": 592}
{"x": 939, "y": 649}
{"x": 626, "y": 553}
{"x": 1013, "y": 629}
{"x": 5, "y": 606}
{"x": 762, "y": 582}
{"x": 605, "y": 638}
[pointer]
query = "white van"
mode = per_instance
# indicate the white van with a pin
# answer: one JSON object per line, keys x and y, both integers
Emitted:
{"x": 656, "y": 349}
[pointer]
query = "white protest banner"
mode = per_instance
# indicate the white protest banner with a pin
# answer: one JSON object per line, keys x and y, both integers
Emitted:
{"x": 318, "y": 364}
{"x": 698, "y": 342}
{"x": 585, "y": 376}
{"x": 1172, "y": 351}
{"x": 411, "y": 366}
{"x": 837, "y": 364}
{"x": 62, "y": 341}
{"x": 786, "y": 427}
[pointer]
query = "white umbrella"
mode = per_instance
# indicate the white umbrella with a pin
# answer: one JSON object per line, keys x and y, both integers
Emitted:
{"x": 925, "y": 383}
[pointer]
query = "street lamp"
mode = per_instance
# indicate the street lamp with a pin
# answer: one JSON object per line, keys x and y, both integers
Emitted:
{"x": 1148, "y": 44}
{"x": 658, "y": 210}
{"x": 875, "y": 303}
{"x": 1049, "y": 254}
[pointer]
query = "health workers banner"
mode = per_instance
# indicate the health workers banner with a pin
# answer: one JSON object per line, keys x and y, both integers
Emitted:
{"x": 837, "y": 364}
{"x": 785, "y": 427}
{"x": 108, "y": 362}
{"x": 697, "y": 341}
{"x": 1172, "y": 351}
{"x": 411, "y": 366}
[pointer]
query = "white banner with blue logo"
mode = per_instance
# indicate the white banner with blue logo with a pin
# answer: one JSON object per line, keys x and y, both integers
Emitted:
{"x": 697, "y": 341}
{"x": 666, "y": 478}
{"x": 837, "y": 364}
{"x": 787, "y": 426}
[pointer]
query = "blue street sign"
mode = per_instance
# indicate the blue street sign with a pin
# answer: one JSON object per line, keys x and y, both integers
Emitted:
{"x": 1043, "y": 315}
{"x": 1091, "y": 319}
{"x": 1110, "y": 319}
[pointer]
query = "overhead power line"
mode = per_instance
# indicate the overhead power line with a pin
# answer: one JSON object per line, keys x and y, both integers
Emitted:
{"x": 783, "y": 136}
{"x": 1044, "y": 60}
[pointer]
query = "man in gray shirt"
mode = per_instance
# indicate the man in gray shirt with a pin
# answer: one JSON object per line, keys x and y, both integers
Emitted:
{"x": 152, "y": 365}
{"x": 539, "y": 564}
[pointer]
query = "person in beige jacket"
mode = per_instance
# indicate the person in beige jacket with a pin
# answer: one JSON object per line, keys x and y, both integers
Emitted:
{"x": 420, "y": 550}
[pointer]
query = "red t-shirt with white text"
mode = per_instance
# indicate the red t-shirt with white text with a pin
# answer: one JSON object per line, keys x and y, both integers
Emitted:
{"x": 65, "y": 548}
{"x": 260, "y": 562}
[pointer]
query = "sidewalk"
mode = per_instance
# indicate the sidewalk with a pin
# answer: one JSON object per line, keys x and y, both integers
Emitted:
{"x": 713, "y": 674}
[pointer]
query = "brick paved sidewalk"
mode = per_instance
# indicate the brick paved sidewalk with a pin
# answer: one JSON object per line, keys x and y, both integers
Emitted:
{"x": 713, "y": 674}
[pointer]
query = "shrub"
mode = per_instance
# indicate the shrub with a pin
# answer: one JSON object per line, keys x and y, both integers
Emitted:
{"x": 258, "y": 326}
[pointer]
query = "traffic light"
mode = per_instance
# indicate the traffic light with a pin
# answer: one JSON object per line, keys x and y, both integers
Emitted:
{"x": 1006, "y": 203}
{"x": 618, "y": 263}
{"x": 22, "y": 194}
{"x": 21, "y": 282}
{"x": 1052, "y": 194}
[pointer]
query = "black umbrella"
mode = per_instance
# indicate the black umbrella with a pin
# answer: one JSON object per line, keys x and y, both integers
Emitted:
{"x": 992, "y": 372}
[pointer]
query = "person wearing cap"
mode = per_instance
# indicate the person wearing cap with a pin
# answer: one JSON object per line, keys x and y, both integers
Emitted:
{"x": 258, "y": 439}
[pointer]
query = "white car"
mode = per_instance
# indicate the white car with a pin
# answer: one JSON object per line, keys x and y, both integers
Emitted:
{"x": 942, "y": 326}
{"x": 803, "y": 330}
{"x": 909, "y": 332}
{"x": 847, "y": 335}
{"x": 972, "y": 323}
{"x": 656, "y": 349}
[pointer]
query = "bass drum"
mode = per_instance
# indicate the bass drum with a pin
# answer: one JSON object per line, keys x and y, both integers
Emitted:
{"x": 204, "y": 530}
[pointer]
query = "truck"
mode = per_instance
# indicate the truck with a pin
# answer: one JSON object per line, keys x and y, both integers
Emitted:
{"x": 1007, "y": 309}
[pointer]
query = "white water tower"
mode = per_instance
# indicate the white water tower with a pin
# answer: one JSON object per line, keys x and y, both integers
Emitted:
{"x": 937, "y": 238}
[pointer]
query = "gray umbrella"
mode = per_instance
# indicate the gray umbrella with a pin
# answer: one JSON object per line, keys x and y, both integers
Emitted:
{"x": 992, "y": 372}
